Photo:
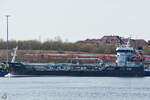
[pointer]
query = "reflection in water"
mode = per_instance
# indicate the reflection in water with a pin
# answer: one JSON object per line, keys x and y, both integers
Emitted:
{"x": 4, "y": 96}
{"x": 75, "y": 88}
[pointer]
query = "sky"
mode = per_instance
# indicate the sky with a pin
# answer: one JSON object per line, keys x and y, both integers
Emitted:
{"x": 74, "y": 20}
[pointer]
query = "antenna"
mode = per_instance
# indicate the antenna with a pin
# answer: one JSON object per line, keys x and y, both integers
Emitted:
{"x": 128, "y": 43}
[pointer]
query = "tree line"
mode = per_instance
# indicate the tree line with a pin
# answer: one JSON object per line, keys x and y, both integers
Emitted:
{"x": 63, "y": 46}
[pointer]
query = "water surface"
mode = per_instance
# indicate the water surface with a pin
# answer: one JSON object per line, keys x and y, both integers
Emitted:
{"x": 75, "y": 88}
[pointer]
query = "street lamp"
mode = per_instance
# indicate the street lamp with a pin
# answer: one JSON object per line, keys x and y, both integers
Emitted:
{"x": 7, "y": 16}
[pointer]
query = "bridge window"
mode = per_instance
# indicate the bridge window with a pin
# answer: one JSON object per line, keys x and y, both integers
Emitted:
{"x": 125, "y": 51}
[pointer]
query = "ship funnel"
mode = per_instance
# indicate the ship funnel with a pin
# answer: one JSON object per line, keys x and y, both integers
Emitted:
{"x": 139, "y": 50}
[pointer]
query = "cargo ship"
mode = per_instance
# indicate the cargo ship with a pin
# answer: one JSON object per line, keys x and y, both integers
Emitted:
{"x": 129, "y": 63}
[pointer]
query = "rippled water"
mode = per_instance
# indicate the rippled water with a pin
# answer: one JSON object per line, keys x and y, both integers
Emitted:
{"x": 75, "y": 88}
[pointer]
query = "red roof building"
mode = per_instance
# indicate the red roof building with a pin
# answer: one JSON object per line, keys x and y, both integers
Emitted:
{"x": 140, "y": 42}
{"x": 111, "y": 39}
{"x": 114, "y": 39}
{"x": 148, "y": 42}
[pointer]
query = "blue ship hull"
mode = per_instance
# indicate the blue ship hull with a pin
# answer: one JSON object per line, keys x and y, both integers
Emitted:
{"x": 3, "y": 73}
{"x": 146, "y": 73}
{"x": 74, "y": 70}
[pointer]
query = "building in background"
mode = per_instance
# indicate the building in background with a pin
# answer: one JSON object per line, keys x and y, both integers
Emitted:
{"x": 114, "y": 39}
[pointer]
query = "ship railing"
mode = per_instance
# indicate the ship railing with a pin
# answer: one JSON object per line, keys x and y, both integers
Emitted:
{"x": 147, "y": 67}
{"x": 79, "y": 68}
{"x": 69, "y": 67}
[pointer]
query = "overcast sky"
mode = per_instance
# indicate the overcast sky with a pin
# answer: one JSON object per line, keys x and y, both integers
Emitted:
{"x": 75, "y": 20}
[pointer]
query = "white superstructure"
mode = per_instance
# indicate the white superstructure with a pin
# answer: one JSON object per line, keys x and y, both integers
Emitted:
{"x": 127, "y": 56}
